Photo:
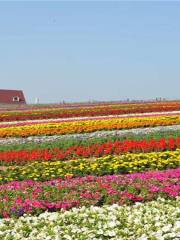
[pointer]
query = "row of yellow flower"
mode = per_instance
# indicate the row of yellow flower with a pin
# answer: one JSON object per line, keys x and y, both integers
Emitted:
{"x": 88, "y": 126}
{"x": 126, "y": 163}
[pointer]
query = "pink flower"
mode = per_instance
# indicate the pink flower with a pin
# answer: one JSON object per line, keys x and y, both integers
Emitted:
{"x": 154, "y": 189}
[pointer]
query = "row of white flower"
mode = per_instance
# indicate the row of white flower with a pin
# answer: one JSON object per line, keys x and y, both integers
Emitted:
{"x": 97, "y": 134}
{"x": 93, "y": 117}
{"x": 157, "y": 220}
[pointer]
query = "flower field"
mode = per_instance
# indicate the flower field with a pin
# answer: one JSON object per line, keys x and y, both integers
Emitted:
{"x": 97, "y": 171}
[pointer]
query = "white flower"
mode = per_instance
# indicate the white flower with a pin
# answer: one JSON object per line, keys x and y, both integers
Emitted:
{"x": 143, "y": 237}
{"x": 111, "y": 224}
{"x": 167, "y": 228}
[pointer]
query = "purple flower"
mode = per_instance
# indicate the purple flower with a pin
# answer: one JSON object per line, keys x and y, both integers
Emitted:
{"x": 20, "y": 212}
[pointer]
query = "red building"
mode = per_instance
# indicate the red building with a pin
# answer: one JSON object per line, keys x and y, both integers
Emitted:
{"x": 12, "y": 97}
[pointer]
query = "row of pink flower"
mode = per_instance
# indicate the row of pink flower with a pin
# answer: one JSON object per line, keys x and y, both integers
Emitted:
{"x": 19, "y": 197}
{"x": 59, "y": 120}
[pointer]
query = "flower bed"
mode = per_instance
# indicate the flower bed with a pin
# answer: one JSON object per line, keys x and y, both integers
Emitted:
{"x": 113, "y": 109}
{"x": 154, "y": 220}
{"x": 110, "y": 164}
{"x": 58, "y": 120}
{"x": 19, "y": 197}
{"x": 94, "y": 150}
{"x": 87, "y": 126}
{"x": 136, "y": 133}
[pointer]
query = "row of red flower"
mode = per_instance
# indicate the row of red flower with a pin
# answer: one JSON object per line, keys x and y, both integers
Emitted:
{"x": 17, "y": 198}
{"x": 94, "y": 111}
{"x": 94, "y": 150}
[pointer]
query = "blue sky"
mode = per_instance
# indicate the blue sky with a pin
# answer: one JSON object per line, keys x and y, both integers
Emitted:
{"x": 79, "y": 51}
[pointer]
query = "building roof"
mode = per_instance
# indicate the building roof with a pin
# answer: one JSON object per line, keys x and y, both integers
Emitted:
{"x": 12, "y": 96}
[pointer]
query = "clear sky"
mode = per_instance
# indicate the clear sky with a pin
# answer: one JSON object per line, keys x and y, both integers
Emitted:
{"x": 79, "y": 51}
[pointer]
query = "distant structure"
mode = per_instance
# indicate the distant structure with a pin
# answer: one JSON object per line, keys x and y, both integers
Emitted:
{"x": 36, "y": 100}
{"x": 12, "y": 97}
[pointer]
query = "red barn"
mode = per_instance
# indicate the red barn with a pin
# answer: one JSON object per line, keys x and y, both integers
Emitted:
{"x": 12, "y": 97}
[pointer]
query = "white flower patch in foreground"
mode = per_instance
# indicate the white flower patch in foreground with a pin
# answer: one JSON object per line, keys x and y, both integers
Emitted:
{"x": 154, "y": 220}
